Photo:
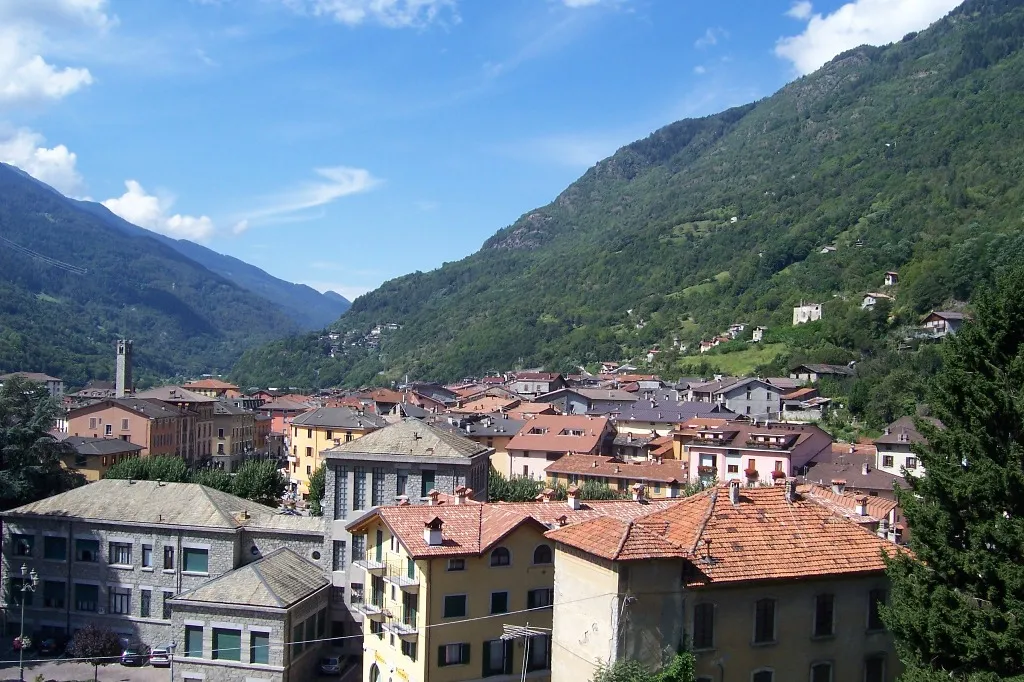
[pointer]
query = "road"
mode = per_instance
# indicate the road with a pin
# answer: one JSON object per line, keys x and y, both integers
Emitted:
{"x": 58, "y": 671}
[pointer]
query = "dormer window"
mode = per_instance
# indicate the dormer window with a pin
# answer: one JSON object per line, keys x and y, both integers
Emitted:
{"x": 501, "y": 557}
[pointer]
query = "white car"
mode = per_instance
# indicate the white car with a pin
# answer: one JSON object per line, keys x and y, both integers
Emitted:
{"x": 160, "y": 658}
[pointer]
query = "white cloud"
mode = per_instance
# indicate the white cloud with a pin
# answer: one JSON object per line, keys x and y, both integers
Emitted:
{"x": 152, "y": 212}
{"x": 573, "y": 4}
{"x": 53, "y": 165}
{"x": 700, "y": 70}
{"x": 711, "y": 37}
{"x": 801, "y": 10}
{"x": 871, "y": 22}
{"x": 338, "y": 182}
{"x": 55, "y": 13}
{"x": 389, "y": 13}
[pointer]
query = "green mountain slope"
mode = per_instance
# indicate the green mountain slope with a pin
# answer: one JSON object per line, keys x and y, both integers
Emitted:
{"x": 70, "y": 284}
{"x": 306, "y": 306}
{"x": 906, "y": 157}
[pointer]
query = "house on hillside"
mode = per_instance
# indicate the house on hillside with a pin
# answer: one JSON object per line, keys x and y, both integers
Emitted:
{"x": 892, "y": 279}
{"x": 54, "y": 385}
{"x": 758, "y": 334}
{"x": 532, "y": 384}
{"x": 895, "y": 446}
{"x": 803, "y": 314}
{"x": 943, "y": 323}
{"x": 810, "y": 373}
{"x": 873, "y": 297}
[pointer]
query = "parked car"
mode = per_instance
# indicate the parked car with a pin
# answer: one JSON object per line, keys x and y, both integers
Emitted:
{"x": 160, "y": 658}
{"x": 133, "y": 656}
{"x": 51, "y": 646}
{"x": 330, "y": 665}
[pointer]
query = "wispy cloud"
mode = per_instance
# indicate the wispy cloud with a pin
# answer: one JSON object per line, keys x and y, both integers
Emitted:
{"x": 700, "y": 69}
{"x": 294, "y": 205}
{"x": 388, "y": 13}
{"x": 871, "y": 22}
{"x": 711, "y": 37}
{"x": 205, "y": 58}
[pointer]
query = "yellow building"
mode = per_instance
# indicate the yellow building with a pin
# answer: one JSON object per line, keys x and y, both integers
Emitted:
{"x": 314, "y": 431}
{"x": 94, "y": 456}
{"x": 234, "y": 435}
{"x": 762, "y": 584}
{"x": 446, "y": 580}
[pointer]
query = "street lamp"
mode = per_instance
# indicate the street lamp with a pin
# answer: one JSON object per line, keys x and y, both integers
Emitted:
{"x": 26, "y": 586}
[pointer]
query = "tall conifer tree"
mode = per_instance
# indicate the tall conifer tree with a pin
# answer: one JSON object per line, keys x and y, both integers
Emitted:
{"x": 957, "y": 606}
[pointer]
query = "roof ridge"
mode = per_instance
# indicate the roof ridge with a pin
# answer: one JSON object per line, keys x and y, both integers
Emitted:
{"x": 256, "y": 569}
{"x": 622, "y": 540}
{"x": 704, "y": 522}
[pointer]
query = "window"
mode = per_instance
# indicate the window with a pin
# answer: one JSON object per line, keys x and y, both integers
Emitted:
{"x": 309, "y": 452}
{"x": 356, "y": 593}
{"x": 377, "y": 495}
{"x": 145, "y": 603}
{"x": 821, "y": 672}
{"x": 703, "y": 626}
{"x": 168, "y": 558}
{"x": 456, "y": 564}
{"x": 55, "y": 549}
{"x": 330, "y": 434}
{"x": 227, "y": 644}
{"x": 764, "y": 621}
{"x": 119, "y": 600}
{"x": 824, "y": 610}
{"x": 86, "y": 597}
{"x": 539, "y": 654}
{"x": 452, "y": 654}
{"x": 875, "y": 599}
{"x": 501, "y": 557}
{"x": 401, "y": 482}
{"x": 92, "y": 422}
{"x": 53, "y": 594}
{"x": 193, "y": 641}
{"x": 87, "y": 550}
{"x": 763, "y": 676}
{"x": 309, "y": 470}
{"x": 778, "y": 467}
{"x": 341, "y": 493}
{"x": 167, "y": 605}
{"x": 538, "y": 599}
{"x": 499, "y": 602}
{"x": 542, "y": 555}
{"x": 147, "y": 556}
{"x": 358, "y": 488}
{"x": 911, "y": 462}
{"x": 23, "y": 544}
{"x": 120, "y": 554}
{"x": 108, "y": 430}
{"x": 195, "y": 560}
{"x": 309, "y": 433}
{"x": 732, "y": 468}
{"x": 377, "y": 628}
{"x": 426, "y": 482}
{"x": 874, "y": 668}
{"x": 887, "y": 461}
{"x": 339, "y": 555}
{"x": 348, "y": 436}
{"x": 259, "y": 647}
{"x": 220, "y": 433}
{"x": 409, "y": 649}
{"x": 497, "y": 657}
{"x": 358, "y": 547}
{"x": 455, "y": 606}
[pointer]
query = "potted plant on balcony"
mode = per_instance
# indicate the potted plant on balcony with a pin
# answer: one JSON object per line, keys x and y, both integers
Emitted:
{"x": 706, "y": 471}
{"x": 750, "y": 473}
{"x": 776, "y": 475}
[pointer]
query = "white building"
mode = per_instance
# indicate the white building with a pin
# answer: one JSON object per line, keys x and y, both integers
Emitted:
{"x": 806, "y": 313}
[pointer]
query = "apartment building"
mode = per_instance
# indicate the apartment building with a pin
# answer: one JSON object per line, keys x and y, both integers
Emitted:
{"x": 92, "y": 457}
{"x": 545, "y": 438}
{"x": 234, "y": 435}
{"x": 895, "y": 447}
{"x": 117, "y": 553}
{"x": 401, "y": 463}
{"x": 196, "y": 435}
{"x": 153, "y": 425}
{"x": 753, "y": 452}
{"x": 214, "y": 388}
{"x": 664, "y": 479}
{"x": 317, "y": 430}
{"x": 54, "y": 385}
{"x": 444, "y": 580}
{"x": 775, "y": 587}
{"x": 492, "y": 430}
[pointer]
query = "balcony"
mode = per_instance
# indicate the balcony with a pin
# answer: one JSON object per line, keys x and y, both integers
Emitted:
{"x": 372, "y": 562}
{"x": 404, "y": 627}
{"x": 373, "y": 609}
{"x": 402, "y": 575}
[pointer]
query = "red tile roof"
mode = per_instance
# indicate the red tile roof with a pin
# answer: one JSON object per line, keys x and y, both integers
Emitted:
{"x": 553, "y": 433}
{"x": 671, "y": 471}
{"x": 473, "y": 529}
{"x": 845, "y": 503}
{"x": 764, "y": 537}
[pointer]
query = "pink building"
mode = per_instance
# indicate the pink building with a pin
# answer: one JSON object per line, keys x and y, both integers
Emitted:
{"x": 753, "y": 453}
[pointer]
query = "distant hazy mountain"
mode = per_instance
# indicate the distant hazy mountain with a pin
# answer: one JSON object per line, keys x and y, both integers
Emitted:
{"x": 307, "y": 306}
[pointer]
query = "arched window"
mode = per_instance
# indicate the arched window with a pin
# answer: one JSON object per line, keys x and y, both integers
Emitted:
{"x": 501, "y": 557}
{"x": 374, "y": 673}
{"x": 542, "y": 555}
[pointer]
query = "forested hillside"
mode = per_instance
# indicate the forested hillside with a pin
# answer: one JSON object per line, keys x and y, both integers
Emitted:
{"x": 907, "y": 157}
{"x": 70, "y": 284}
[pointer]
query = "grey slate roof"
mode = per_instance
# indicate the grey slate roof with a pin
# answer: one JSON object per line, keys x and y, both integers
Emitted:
{"x": 278, "y": 580}
{"x": 838, "y": 370}
{"x": 221, "y": 407}
{"x": 339, "y": 418}
{"x": 642, "y": 411}
{"x": 151, "y": 409}
{"x": 851, "y": 470}
{"x": 175, "y": 394}
{"x": 101, "y": 446}
{"x": 164, "y": 504}
{"x": 488, "y": 426}
{"x": 410, "y": 437}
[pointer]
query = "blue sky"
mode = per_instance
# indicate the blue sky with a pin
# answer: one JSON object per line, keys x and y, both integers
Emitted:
{"x": 341, "y": 143}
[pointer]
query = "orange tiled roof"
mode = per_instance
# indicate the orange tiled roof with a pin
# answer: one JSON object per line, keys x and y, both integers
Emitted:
{"x": 858, "y": 449}
{"x": 215, "y": 384}
{"x": 801, "y": 393}
{"x": 555, "y": 437}
{"x": 764, "y": 537}
{"x": 671, "y": 471}
{"x": 524, "y": 410}
{"x": 473, "y": 529}
{"x": 486, "y": 405}
{"x": 383, "y": 395}
{"x": 845, "y": 503}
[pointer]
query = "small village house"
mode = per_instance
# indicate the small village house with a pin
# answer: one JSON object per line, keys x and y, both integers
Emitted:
{"x": 545, "y": 438}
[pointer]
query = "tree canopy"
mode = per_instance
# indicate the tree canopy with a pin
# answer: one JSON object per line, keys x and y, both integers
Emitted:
{"x": 96, "y": 644}
{"x": 679, "y": 669}
{"x": 317, "y": 484}
{"x": 258, "y": 480}
{"x": 957, "y": 605}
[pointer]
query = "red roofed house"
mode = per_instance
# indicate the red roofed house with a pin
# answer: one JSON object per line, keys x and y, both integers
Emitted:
{"x": 753, "y": 452}
{"x": 547, "y": 437}
{"x": 762, "y": 584}
{"x": 665, "y": 479}
{"x": 214, "y": 388}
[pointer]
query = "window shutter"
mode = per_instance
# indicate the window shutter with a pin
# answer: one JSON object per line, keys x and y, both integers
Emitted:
{"x": 440, "y": 656}
{"x": 487, "y": 659}
{"x": 508, "y": 656}
{"x": 465, "y": 653}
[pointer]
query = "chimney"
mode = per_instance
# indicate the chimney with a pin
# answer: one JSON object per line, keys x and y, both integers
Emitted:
{"x": 734, "y": 492}
{"x": 629, "y": 437}
{"x": 838, "y": 486}
{"x": 402, "y": 500}
{"x": 790, "y": 490}
{"x": 865, "y": 469}
{"x": 883, "y": 528}
{"x": 562, "y": 520}
{"x": 573, "y": 497}
{"x": 432, "y": 532}
{"x": 862, "y": 506}
{"x": 433, "y": 495}
{"x": 545, "y": 495}
{"x": 460, "y": 495}
{"x": 638, "y": 492}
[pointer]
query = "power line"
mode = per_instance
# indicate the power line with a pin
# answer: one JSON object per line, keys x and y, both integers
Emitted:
{"x": 74, "y": 269}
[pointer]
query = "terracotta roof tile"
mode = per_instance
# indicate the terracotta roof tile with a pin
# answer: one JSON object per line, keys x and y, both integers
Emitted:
{"x": 554, "y": 433}
{"x": 671, "y": 471}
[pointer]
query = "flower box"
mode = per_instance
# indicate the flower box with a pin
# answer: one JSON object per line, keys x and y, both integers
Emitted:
{"x": 751, "y": 473}
{"x": 778, "y": 474}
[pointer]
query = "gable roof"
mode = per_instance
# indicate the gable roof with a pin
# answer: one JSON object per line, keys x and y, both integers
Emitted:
{"x": 671, "y": 413}
{"x": 837, "y": 370}
{"x": 764, "y": 537}
{"x": 339, "y": 417}
{"x": 174, "y": 394}
{"x": 285, "y": 405}
{"x": 223, "y": 408}
{"x": 278, "y": 580}
{"x": 946, "y": 315}
{"x": 212, "y": 384}
{"x": 410, "y": 437}
{"x": 153, "y": 503}
{"x": 150, "y": 409}
{"x": 100, "y": 446}
{"x": 904, "y": 430}
{"x": 37, "y": 377}
{"x": 670, "y": 471}
{"x": 554, "y": 437}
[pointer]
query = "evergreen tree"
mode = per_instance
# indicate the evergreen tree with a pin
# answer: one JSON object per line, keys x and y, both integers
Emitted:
{"x": 30, "y": 458}
{"x": 957, "y": 605}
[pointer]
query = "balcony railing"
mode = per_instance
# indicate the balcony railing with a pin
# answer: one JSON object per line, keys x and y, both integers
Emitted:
{"x": 402, "y": 574}
{"x": 404, "y": 626}
{"x": 371, "y": 609}
{"x": 371, "y": 562}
